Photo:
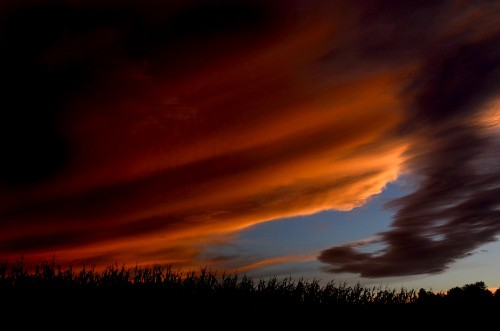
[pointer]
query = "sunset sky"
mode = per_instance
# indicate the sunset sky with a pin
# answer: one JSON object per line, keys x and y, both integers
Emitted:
{"x": 348, "y": 140}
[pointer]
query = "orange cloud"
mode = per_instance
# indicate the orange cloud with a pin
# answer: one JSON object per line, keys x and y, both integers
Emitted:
{"x": 276, "y": 260}
{"x": 165, "y": 159}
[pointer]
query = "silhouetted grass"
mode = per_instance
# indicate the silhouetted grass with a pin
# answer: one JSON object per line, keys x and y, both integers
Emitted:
{"x": 205, "y": 285}
{"x": 192, "y": 285}
{"x": 120, "y": 295}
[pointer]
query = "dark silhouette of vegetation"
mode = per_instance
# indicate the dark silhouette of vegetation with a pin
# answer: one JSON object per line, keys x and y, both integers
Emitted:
{"x": 207, "y": 286}
{"x": 144, "y": 294}
{"x": 470, "y": 294}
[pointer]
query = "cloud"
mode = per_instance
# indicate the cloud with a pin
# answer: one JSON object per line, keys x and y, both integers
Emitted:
{"x": 142, "y": 132}
{"x": 455, "y": 207}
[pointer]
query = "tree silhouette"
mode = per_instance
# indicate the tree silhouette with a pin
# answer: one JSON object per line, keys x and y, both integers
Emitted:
{"x": 470, "y": 293}
{"x": 429, "y": 297}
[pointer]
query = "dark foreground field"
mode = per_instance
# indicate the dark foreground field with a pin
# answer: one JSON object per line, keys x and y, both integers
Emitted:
{"x": 159, "y": 297}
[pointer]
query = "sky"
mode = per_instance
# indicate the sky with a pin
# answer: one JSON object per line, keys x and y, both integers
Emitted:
{"x": 347, "y": 140}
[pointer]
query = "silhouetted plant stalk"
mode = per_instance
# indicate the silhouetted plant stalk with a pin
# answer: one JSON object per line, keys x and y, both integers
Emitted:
{"x": 208, "y": 284}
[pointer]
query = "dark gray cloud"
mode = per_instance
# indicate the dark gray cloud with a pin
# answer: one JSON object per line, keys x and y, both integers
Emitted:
{"x": 456, "y": 206}
{"x": 454, "y": 211}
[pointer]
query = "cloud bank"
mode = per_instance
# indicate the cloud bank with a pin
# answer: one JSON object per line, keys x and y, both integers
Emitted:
{"x": 141, "y": 132}
{"x": 453, "y": 119}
